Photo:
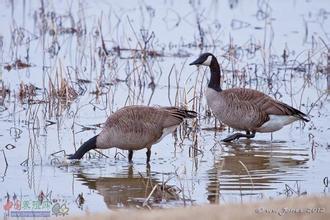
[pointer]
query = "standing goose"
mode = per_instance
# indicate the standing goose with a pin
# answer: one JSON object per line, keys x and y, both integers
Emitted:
{"x": 134, "y": 128}
{"x": 245, "y": 109}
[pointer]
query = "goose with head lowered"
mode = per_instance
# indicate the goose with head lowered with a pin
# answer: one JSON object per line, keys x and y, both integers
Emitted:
{"x": 245, "y": 109}
{"x": 135, "y": 127}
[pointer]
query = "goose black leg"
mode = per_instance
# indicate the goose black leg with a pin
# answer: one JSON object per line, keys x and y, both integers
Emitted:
{"x": 148, "y": 155}
{"x": 130, "y": 156}
{"x": 239, "y": 135}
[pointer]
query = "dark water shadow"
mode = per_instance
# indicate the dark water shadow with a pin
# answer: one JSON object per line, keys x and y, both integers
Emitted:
{"x": 130, "y": 190}
{"x": 251, "y": 167}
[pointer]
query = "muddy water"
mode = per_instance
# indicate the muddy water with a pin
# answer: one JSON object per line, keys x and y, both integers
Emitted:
{"x": 141, "y": 56}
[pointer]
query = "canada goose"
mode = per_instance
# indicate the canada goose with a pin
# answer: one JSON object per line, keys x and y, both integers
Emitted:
{"x": 245, "y": 109}
{"x": 134, "y": 128}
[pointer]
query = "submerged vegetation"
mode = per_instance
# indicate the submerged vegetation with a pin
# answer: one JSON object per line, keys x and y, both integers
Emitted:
{"x": 65, "y": 66}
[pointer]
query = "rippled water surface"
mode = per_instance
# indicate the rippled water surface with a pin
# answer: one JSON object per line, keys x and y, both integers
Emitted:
{"x": 67, "y": 65}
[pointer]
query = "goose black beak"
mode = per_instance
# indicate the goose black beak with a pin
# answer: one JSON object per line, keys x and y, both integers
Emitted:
{"x": 197, "y": 62}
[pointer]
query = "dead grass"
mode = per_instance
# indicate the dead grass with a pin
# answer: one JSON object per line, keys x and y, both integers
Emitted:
{"x": 18, "y": 64}
{"x": 26, "y": 91}
{"x": 66, "y": 91}
{"x": 293, "y": 208}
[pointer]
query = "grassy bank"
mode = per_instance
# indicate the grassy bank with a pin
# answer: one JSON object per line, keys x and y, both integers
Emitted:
{"x": 293, "y": 208}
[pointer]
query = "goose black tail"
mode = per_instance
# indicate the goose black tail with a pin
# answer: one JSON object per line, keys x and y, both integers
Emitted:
{"x": 87, "y": 146}
{"x": 190, "y": 114}
{"x": 301, "y": 115}
{"x": 181, "y": 113}
{"x": 297, "y": 113}
{"x": 304, "y": 117}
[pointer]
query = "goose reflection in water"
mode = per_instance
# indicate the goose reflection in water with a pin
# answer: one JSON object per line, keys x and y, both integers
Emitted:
{"x": 251, "y": 168}
{"x": 129, "y": 190}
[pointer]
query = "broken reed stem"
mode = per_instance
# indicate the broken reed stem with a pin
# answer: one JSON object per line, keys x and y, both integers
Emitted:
{"x": 137, "y": 39}
{"x": 169, "y": 84}
{"x": 101, "y": 153}
{"x": 5, "y": 158}
{"x": 150, "y": 194}
{"x": 6, "y": 168}
{"x": 246, "y": 169}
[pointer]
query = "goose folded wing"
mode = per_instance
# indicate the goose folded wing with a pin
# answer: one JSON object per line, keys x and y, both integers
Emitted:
{"x": 172, "y": 116}
{"x": 242, "y": 94}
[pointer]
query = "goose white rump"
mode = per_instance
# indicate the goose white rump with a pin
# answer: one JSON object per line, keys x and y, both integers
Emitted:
{"x": 276, "y": 122}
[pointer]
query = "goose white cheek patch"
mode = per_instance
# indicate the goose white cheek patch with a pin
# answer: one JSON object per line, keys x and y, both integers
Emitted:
{"x": 207, "y": 62}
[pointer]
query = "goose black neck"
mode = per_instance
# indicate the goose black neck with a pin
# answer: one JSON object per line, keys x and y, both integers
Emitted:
{"x": 215, "y": 75}
{"x": 87, "y": 146}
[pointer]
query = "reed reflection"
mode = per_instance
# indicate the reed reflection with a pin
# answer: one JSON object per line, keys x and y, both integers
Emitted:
{"x": 129, "y": 189}
{"x": 249, "y": 168}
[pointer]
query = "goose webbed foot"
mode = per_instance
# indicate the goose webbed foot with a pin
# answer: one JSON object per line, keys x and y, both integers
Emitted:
{"x": 239, "y": 135}
{"x": 130, "y": 156}
{"x": 148, "y": 155}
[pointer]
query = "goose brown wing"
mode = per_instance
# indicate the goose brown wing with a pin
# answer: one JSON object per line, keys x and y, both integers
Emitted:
{"x": 241, "y": 112}
{"x": 173, "y": 116}
{"x": 246, "y": 94}
{"x": 133, "y": 126}
{"x": 273, "y": 107}
{"x": 267, "y": 104}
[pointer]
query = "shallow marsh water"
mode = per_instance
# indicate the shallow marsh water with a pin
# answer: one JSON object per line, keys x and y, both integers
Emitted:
{"x": 90, "y": 59}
